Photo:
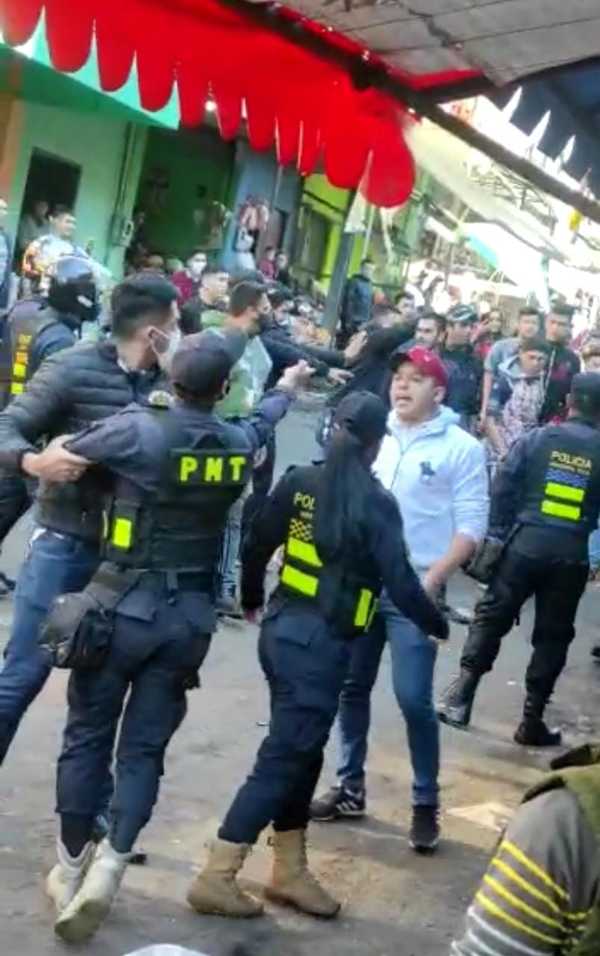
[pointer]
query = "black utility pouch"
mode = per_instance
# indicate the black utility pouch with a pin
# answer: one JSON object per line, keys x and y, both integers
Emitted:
{"x": 79, "y": 628}
{"x": 78, "y": 632}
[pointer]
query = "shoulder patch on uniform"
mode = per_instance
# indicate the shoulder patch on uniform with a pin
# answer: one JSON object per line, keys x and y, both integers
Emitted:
{"x": 160, "y": 398}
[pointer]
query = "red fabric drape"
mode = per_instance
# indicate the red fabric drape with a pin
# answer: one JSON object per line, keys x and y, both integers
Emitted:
{"x": 304, "y": 105}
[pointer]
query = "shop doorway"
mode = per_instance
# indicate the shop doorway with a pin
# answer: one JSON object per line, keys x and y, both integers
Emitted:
{"x": 51, "y": 178}
{"x": 311, "y": 244}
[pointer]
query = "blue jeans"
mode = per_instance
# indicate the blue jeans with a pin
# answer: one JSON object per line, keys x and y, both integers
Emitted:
{"x": 232, "y": 540}
{"x": 594, "y": 550}
{"x": 54, "y": 565}
{"x": 413, "y": 661}
{"x": 305, "y": 664}
{"x": 156, "y": 651}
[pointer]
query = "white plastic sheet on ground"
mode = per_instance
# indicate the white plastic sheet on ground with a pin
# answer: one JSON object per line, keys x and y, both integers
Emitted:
{"x": 165, "y": 949}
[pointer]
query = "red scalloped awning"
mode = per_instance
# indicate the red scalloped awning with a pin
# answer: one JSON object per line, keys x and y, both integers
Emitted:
{"x": 304, "y": 105}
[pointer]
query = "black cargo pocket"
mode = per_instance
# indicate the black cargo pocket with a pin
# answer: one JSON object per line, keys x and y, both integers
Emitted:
{"x": 292, "y": 627}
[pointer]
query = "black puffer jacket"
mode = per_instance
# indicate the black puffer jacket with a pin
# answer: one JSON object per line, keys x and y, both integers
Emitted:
{"x": 71, "y": 390}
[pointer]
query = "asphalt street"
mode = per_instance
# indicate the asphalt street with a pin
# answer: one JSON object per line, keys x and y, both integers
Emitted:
{"x": 394, "y": 901}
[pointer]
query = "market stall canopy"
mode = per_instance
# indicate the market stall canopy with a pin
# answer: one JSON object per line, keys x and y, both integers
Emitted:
{"x": 325, "y": 81}
{"x": 572, "y": 102}
{"x": 506, "y": 254}
{"x": 450, "y": 162}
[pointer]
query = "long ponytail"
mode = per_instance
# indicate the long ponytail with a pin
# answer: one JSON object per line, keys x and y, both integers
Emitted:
{"x": 343, "y": 500}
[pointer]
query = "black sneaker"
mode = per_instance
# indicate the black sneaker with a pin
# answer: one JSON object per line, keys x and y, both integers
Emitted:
{"x": 595, "y": 652}
{"x": 228, "y": 605}
{"x": 425, "y": 829}
{"x": 7, "y": 583}
{"x": 336, "y": 803}
{"x": 533, "y": 732}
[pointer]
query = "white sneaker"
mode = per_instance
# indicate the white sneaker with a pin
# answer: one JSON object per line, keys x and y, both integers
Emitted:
{"x": 65, "y": 879}
{"x": 90, "y": 906}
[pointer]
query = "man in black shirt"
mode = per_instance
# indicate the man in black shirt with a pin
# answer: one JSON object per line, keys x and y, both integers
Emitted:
{"x": 563, "y": 364}
{"x": 465, "y": 369}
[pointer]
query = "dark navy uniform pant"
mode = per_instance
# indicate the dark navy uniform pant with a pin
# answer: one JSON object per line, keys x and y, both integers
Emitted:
{"x": 305, "y": 664}
{"x": 156, "y": 652}
{"x": 557, "y": 586}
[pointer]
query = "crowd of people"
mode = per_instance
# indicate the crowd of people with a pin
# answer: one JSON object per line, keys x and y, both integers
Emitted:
{"x": 447, "y": 443}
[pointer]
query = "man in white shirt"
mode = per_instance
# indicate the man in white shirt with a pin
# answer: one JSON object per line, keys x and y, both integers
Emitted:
{"x": 437, "y": 473}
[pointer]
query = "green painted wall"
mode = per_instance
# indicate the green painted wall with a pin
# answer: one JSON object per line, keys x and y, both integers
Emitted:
{"x": 331, "y": 203}
{"x": 95, "y": 143}
{"x": 318, "y": 187}
{"x": 185, "y": 163}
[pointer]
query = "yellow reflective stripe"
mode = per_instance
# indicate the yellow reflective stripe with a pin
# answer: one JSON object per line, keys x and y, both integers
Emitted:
{"x": 564, "y": 491}
{"x": 16, "y": 388}
{"x": 525, "y": 884}
{"x": 519, "y": 904}
{"x": 499, "y": 913}
{"x": 298, "y": 581}
{"x": 372, "y": 612}
{"x": 122, "y": 533}
{"x": 303, "y": 552}
{"x": 529, "y": 864}
{"x": 361, "y": 618}
{"x": 19, "y": 370}
{"x": 554, "y": 508}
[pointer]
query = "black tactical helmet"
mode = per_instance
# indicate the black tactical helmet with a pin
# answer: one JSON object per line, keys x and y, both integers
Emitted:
{"x": 72, "y": 288}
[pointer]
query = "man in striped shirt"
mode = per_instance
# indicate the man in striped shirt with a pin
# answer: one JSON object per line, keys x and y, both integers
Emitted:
{"x": 540, "y": 895}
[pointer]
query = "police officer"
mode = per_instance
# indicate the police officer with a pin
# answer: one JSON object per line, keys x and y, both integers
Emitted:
{"x": 545, "y": 503}
{"x": 342, "y": 535}
{"x": 34, "y": 330}
{"x": 176, "y": 474}
{"x": 74, "y": 387}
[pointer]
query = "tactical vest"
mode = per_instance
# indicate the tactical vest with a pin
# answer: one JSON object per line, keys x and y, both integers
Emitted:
{"x": 346, "y": 596}
{"x": 23, "y": 325}
{"x": 584, "y": 783}
{"x": 180, "y": 526}
{"x": 563, "y": 480}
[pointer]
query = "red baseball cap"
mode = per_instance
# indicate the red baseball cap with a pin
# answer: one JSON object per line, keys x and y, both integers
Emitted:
{"x": 427, "y": 362}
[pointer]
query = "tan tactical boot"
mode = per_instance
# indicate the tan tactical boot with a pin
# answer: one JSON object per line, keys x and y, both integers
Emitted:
{"x": 292, "y": 882}
{"x": 90, "y": 906}
{"x": 65, "y": 879}
{"x": 215, "y": 889}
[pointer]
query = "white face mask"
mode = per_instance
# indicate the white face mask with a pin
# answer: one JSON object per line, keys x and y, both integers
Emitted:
{"x": 169, "y": 343}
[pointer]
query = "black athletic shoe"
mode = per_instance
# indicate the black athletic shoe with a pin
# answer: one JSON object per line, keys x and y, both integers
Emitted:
{"x": 337, "y": 803}
{"x": 595, "y": 652}
{"x": 229, "y": 606}
{"x": 533, "y": 732}
{"x": 425, "y": 829}
{"x": 6, "y": 582}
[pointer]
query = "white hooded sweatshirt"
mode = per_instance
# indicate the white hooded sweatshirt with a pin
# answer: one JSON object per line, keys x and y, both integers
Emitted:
{"x": 436, "y": 472}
